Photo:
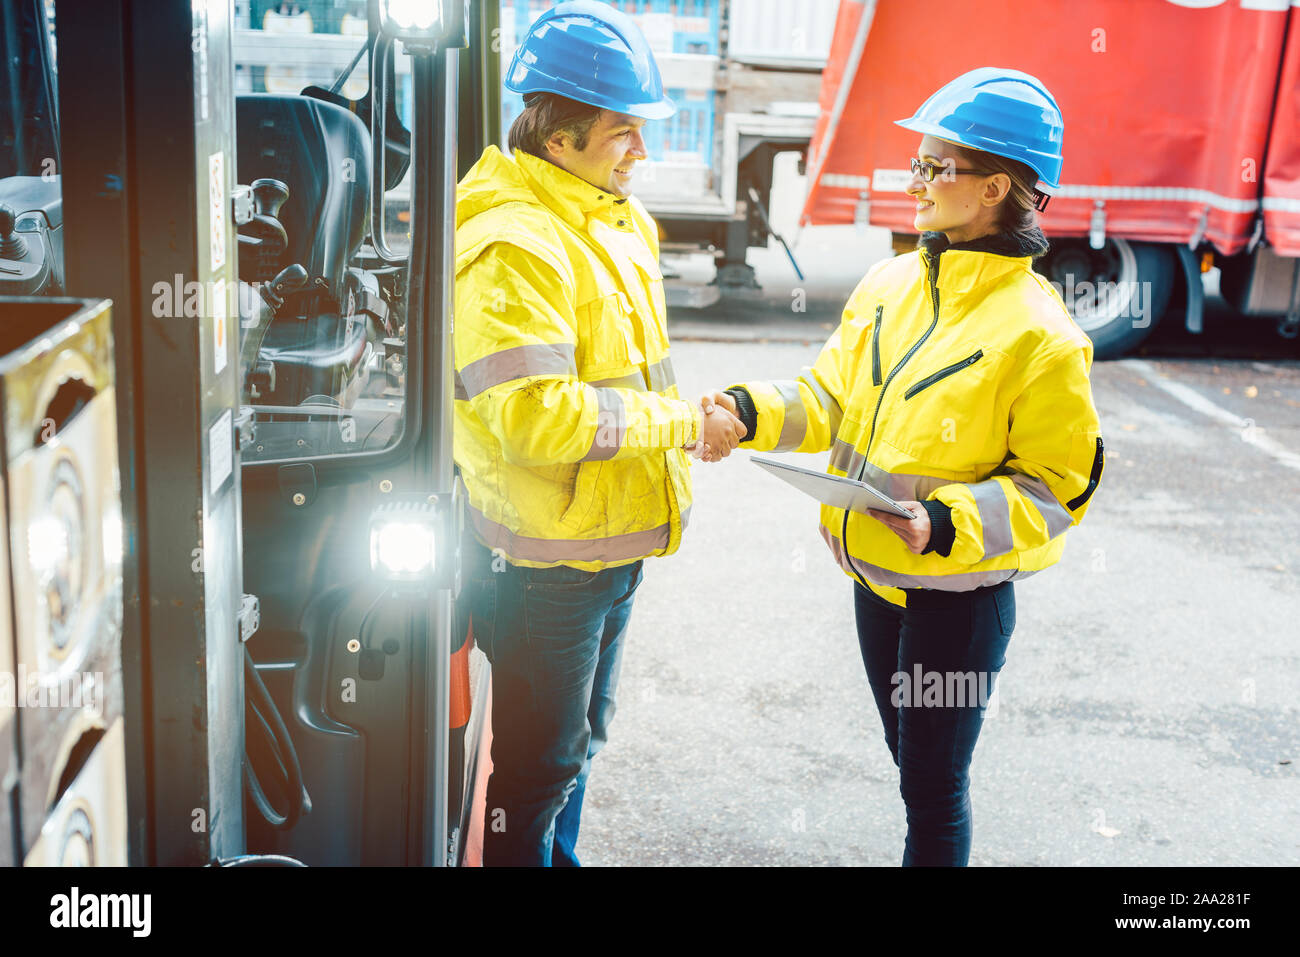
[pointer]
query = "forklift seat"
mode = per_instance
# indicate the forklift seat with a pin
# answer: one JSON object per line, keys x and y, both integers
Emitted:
{"x": 315, "y": 356}
{"x": 322, "y": 153}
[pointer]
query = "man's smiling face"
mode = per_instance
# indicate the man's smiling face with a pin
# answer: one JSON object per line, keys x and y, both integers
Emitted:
{"x": 614, "y": 146}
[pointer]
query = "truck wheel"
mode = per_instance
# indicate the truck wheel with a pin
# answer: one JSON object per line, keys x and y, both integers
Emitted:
{"x": 1116, "y": 294}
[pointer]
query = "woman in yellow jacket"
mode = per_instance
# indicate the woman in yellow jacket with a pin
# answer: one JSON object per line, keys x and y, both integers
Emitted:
{"x": 957, "y": 383}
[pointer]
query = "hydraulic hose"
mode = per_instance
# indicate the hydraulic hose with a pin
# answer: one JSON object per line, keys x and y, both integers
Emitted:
{"x": 263, "y": 708}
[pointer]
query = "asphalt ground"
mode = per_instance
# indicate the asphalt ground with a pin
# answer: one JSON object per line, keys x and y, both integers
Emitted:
{"x": 1147, "y": 713}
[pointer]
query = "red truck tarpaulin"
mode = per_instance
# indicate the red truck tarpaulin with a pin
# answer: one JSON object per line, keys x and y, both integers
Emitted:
{"x": 1181, "y": 118}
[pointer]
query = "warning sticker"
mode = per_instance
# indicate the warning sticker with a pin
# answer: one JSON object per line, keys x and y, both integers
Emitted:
{"x": 221, "y": 450}
{"x": 219, "y": 355}
{"x": 217, "y": 208}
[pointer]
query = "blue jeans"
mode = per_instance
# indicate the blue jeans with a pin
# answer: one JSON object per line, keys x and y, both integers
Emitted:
{"x": 932, "y": 724}
{"x": 554, "y": 637}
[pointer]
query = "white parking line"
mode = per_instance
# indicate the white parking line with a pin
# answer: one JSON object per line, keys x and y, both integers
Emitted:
{"x": 1251, "y": 433}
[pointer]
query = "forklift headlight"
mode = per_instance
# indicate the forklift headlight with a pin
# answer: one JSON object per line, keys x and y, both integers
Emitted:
{"x": 404, "y": 542}
{"x": 412, "y": 19}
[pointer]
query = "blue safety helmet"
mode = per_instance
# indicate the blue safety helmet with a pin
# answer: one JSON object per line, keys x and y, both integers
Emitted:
{"x": 592, "y": 53}
{"x": 1004, "y": 112}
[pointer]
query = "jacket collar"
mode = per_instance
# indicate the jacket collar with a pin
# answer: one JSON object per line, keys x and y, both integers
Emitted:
{"x": 572, "y": 199}
{"x": 1031, "y": 243}
{"x": 974, "y": 262}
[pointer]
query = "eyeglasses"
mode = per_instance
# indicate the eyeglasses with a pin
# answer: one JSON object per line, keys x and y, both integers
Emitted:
{"x": 927, "y": 170}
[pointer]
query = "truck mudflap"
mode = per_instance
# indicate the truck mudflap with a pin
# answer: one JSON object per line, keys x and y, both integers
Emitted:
{"x": 1169, "y": 111}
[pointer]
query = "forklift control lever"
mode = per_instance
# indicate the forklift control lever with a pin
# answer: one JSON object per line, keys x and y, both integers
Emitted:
{"x": 12, "y": 245}
{"x": 289, "y": 280}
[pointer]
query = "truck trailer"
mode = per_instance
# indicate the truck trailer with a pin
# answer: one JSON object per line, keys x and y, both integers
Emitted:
{"x": 1181, "y": 144}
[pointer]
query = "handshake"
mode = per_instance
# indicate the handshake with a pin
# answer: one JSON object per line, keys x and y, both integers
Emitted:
{"x": 720, "y": 429}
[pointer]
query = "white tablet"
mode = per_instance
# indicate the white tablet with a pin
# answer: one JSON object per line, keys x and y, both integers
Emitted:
{"x": 832, "y": 489}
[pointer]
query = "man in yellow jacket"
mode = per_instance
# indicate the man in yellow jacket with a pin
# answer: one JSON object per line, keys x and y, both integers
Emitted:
{"x": 570, "y": 433}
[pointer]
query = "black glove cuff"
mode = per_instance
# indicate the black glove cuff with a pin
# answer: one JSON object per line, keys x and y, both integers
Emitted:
{"x": 745, "y": 411}
{"x": 942, "y": 532}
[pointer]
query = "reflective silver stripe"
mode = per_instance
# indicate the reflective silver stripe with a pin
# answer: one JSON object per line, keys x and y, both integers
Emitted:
{"x": 794, "y": 426}
{"x": 901, "y": 486}
{"x": 845, "y": 181}
{"x": 966, "y": 581}
{"x": 833, "y": 410}
{"x": 661, "y": 375}
{"x": 1053, "y": 512}
{"x": 837, "y": 550}
{"x": 1166, "y": 194}
{"x": 540, "y": 359}
{"x": 633, "y": 381}
{"x": 460, "y": 392}
{"x": 883, "y": 576}
{"x": 613, "y": 548}
{"x": 611, "y": 427}
{"x": 897, "y": 485}
{"x": 845, "y": 457}
{"x": 995, "y": 517}
{"x": 990, "y": 499}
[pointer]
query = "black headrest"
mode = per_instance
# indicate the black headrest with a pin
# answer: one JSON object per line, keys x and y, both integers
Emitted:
{"x": 322, "y": 153}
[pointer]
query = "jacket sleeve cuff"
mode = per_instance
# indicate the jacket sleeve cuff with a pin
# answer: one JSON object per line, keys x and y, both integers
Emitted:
{"x": 942, "y": 531}
{"x": 693, "y": 417}
{"x": 745, "y": 411}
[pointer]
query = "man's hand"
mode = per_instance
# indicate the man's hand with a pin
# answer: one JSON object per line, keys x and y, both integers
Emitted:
{"x": 720, "y": 430}
{"x": 915, "y": 532}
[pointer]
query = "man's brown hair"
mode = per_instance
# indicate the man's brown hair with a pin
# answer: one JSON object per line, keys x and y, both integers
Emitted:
{"x": 546, "y": 114}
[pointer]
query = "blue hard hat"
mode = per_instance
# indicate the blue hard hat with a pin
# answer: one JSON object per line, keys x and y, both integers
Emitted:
{"x": 592, "y": 53}
{"x": 1004, "y": 112}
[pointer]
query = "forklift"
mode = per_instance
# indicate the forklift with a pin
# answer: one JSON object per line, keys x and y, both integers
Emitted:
{"x": 230, "y": 522}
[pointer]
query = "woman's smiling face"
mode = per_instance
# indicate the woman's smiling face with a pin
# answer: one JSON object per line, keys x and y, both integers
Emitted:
{"x": 962, "y": 205}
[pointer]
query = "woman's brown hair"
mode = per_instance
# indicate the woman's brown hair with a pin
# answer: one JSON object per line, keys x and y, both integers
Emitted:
{"x": 1017, "y": 213}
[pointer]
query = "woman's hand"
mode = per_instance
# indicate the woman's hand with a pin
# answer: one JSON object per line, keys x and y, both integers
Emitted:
{"x": 719, "y": 411}
{"x": 915, "y": 532}
{"x": 718, "y": 397}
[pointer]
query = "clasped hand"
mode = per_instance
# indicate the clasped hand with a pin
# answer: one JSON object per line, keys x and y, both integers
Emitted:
{"x": 720, "y": 429}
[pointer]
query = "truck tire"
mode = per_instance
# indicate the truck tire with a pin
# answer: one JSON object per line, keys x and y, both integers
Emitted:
{"x": 1116, "y": 294}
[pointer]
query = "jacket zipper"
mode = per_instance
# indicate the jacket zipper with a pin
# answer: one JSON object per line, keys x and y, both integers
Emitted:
{"x": 933, "y": 278}
{"x": 943, "y": 373}
{"x": 875, "y": 346}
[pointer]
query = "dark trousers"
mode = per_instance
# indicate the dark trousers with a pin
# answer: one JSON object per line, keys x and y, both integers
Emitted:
{"x": 554, "y": 637}
{"x": 932, "y": 667}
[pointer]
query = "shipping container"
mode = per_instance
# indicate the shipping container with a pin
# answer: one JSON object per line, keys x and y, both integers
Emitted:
{"x": 745, "y": 76}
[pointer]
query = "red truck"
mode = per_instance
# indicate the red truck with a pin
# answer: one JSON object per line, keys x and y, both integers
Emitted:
{"x": 1182, "y": 143}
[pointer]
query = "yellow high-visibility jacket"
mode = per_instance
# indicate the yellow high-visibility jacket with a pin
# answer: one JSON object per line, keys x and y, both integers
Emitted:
{"x": 956, "y": 375}
{"x": 568, "y": 426}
